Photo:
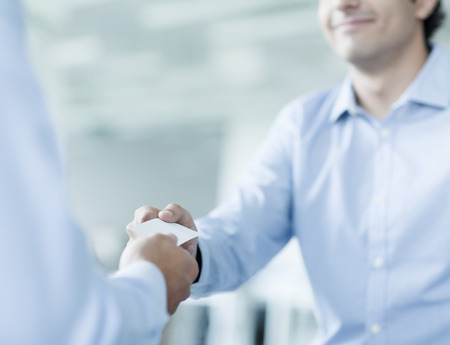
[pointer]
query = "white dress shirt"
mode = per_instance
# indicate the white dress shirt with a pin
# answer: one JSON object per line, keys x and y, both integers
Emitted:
{"x": 369, "y": 202}
{"x": 51, "y": 291}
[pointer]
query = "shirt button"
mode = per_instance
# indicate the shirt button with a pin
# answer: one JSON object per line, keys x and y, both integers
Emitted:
{"x": 352, "y": 111}
{"x": 385, "y": 133}
{"x": 379, "y": 199}
{"x": 377, "y": 262}
{"x": 375, "y": 329}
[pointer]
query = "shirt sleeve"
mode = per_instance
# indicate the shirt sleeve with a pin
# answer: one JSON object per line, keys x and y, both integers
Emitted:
{"x": 52, "y": 291}
{"x": 240, "y": 236}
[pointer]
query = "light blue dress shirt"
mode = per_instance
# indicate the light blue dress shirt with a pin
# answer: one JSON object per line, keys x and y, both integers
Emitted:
{"x": 51, "y": 292}
{"x": 368, "y": 200}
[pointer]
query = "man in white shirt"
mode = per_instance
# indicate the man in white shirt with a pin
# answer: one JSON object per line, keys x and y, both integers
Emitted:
{"x": 360, "y": 174}
{"x": 51, "y": 291}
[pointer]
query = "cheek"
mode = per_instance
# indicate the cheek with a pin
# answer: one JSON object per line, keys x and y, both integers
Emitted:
{"x": 397, "y": 16}
{"x": 323, "y": 19}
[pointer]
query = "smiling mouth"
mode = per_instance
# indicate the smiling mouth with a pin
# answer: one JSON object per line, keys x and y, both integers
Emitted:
{"x": 351, "y": 24}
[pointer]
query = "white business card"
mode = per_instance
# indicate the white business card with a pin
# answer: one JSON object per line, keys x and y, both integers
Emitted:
{"x": 157, "y": 226}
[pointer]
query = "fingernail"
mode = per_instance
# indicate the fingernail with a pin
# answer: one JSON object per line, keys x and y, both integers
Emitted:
{"x": 167, "y": 212}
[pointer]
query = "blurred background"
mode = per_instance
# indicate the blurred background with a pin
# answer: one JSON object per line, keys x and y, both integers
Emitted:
{"x": 165, "y": 101}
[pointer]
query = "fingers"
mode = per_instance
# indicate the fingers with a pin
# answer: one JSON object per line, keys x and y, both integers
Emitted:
{"x": 142, "y": 214}
{"x": 161, "y": 240}
{"x": 179, "y": 268}
{"x": 183, "y": 284}
{"x": 187, "y": 260}
{"x": 174, "y": 213}
{"x": 174, "y": 238}
{"x": 191, "y": 246}
{"x": 182, "y": 293}
{"x": 145, "y": 213}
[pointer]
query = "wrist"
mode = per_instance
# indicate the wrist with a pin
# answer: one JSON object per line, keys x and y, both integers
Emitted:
{"x": 198, "y": 257}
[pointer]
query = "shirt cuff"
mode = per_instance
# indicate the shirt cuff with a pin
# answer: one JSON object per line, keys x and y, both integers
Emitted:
{"x": 142, "y": 293}
{"x": 144, "y": 271}
{"x": 149, "y": 274}
{"x": 201, "y": 287}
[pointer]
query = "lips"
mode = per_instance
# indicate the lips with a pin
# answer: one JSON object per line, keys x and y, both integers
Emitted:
{"x": 352, "y": 22}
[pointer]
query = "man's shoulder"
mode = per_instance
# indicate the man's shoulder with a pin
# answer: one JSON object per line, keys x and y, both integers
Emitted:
{"x": 312, "y": 106}
{"x": 317, "y": 98}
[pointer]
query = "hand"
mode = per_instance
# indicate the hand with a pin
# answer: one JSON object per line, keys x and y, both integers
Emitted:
{"x": 172, "y": 213}
{"x": 178, "y": 267}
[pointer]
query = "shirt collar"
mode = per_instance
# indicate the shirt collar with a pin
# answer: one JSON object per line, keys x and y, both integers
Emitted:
{"x": 345, "y": 101}
{"x": 430, "y": 87}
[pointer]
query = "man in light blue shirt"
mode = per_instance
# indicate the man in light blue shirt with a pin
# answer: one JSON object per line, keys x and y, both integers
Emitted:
{"x": 51, "y": 292}
{"x": 360, "y": 174}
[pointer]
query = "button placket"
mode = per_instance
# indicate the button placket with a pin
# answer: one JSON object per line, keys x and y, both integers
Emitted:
{"x": 377, "y": 236}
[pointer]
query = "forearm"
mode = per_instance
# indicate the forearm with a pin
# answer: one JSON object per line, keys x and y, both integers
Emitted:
{"x": 240, "y": 236}
{"x": 230, "y": 255}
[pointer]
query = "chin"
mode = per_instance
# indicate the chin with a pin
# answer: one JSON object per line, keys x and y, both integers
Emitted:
{"x": 354, "y": 54}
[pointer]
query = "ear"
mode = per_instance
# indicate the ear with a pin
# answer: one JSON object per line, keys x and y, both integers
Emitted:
{"x": 424, "y": 8}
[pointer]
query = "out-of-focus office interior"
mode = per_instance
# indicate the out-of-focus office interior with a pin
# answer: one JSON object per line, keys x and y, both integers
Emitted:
{"x": 165, "y": 101}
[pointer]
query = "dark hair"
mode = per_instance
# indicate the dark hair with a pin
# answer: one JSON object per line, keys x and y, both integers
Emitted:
{"x": 434, "y": 21}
